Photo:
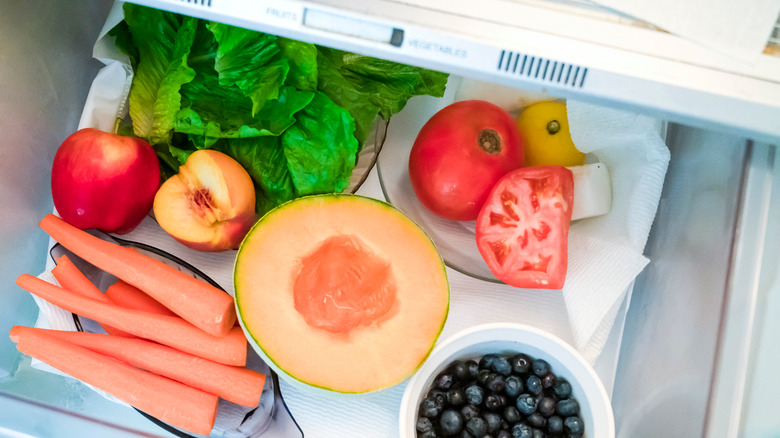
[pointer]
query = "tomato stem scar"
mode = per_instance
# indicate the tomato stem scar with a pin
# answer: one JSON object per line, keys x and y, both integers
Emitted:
{"x": 489, "y": 141}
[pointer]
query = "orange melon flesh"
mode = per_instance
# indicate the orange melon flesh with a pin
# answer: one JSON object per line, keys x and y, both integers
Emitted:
{"x": 342, "y": 285}
{"x": 341, "y": 292}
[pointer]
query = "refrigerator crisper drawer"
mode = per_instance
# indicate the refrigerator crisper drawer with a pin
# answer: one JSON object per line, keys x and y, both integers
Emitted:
{"x": 694, "y": 352}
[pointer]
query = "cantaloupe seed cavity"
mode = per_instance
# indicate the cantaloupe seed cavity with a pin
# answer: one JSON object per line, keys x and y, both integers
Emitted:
{"x": 343, "y": 285}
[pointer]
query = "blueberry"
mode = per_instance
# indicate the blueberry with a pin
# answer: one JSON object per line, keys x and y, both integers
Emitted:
{"x": 502, "y": 366}
{"x": 541, "y": 367}
{"x": 539, "y": 433}
{"x": 513, "y": 386}
{"x": 512, "y": 415}
{"x": 533, "y": 384}
{"x": 567, "y": 407}
{"x": 451, "y": 422}
{"x": 495, "y": 382}
{"x": 574, "y": 425}
{"x": 429, "y": 434}
{"x": 459, "y": 370}
{"x": 469, "y": 411}
{"x": 477, "y": 427}
{"x": 439, "y": 394}
{"x": 521, "y": 363}
{"x": 487, "y": 361}
{"x": 555, "y": 424}
{"x": 474, "y": 394}
{"x": 562, "y": 388}
{"x": 430, "y": 407}
{"x": 548, "y": 380}
{"x": 503, "y": 433}
{"x": 473, "y": 368}
{"x": 456, "y": 397}
{"x": 483, "y": 375}
{"x": 547, "y": 406}
{"x": 492, "y": 420}
{"x": 522, "y": 430}
{"x": 536, "y": 420}
{"x": 444, "y": 381}
{"x": 495, "y": 401}
{"x": 526, "y": 404}
{"x": 424, "y": 425}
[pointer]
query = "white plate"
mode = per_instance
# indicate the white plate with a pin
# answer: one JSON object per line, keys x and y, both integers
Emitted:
{"x": 454, "y": 239}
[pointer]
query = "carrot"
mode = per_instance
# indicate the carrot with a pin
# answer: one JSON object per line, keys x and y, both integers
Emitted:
{"x": 169, "y": 330}
{"x": 198, "y": 302}
{"x": 160, "y": 397}
{"x": 239, "y": 385}
{"x": 70, "y": 277}
{"x": 126, "y": 295}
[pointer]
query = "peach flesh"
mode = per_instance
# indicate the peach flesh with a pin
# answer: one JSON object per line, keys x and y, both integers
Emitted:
{"x": 209, "y": 205}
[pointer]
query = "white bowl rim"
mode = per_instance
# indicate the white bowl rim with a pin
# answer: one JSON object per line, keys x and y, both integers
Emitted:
{"x": 599, "y": 400}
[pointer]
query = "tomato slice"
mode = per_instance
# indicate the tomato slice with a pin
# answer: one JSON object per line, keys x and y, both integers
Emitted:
{"x": 523, "y": 228}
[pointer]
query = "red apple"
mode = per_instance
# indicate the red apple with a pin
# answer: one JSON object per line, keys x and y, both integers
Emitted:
{"x": 104, "y": 181}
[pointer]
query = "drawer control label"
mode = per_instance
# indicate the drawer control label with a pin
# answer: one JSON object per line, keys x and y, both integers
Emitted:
{"x": 434, "y": 47}
{"x": 282, "y": 15}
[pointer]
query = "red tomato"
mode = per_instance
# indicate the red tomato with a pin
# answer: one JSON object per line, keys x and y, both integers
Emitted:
{"x": 523, "y": 228}
{"x": 459, "y": 155}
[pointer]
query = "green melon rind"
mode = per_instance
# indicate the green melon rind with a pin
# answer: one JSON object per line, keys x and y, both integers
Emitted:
{"x": 336, "y": 196}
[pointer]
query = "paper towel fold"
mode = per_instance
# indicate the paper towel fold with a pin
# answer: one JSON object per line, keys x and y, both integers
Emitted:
{"x": 733, "y": 27}
{"x": 106, "y": 101}
{"x": 605, "y": 252}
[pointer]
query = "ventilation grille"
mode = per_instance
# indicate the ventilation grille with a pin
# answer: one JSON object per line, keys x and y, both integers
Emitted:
{"x": 542, "y": 69}
{"x": 206, "y": 3}
{"x": 774, "y": 37}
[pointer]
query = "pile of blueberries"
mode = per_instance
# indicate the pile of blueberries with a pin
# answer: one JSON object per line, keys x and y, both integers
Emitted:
{"x": 499, "y": 396}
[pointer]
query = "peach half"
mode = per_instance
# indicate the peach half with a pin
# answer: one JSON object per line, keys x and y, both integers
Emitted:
{"x": 209, "y": 205}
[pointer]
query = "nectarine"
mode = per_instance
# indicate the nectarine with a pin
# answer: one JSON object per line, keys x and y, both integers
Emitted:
{"x": 209, "y": 205}
{"x": 104, "y": 181}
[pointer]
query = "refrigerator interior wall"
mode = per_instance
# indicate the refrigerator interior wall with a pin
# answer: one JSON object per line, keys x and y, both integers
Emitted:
{"x": 673, "y": 336}
{"x": 46, "y": 69}
{"x": 662, "y": 385}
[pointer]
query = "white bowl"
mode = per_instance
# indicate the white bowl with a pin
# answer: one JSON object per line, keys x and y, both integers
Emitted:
{"x": 472, "y": 343}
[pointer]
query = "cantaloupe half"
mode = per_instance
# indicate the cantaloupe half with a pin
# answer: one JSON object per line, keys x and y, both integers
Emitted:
{"x": 341, "y": 292}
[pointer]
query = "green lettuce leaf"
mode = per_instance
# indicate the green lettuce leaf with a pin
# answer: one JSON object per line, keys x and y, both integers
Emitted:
{"x": 293, "y": 114}
{"x": 370, "y": 87}
{"x": 321, "y": 148}
{"x": 303, "y": 63}
{"x": 250, "y": 61}
{"x": 222, "y": 101}
{"x": 226, "y": 113}
{"x": 163, "y": 42}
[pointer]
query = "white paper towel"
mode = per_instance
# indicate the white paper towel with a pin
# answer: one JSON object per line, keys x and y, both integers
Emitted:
{"x": 734, "y": 27}
{"x": 605, "y": 252}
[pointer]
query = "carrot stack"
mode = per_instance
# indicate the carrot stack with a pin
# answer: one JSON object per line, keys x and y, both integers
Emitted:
{"x": 196, "y": 301}
{"x": 173, "y": 347}
{"x": 169, "y": 330}
{"x": 238, "y": 385}
{"x": 170, "y": 401}
{"x": 70, "y": 277}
